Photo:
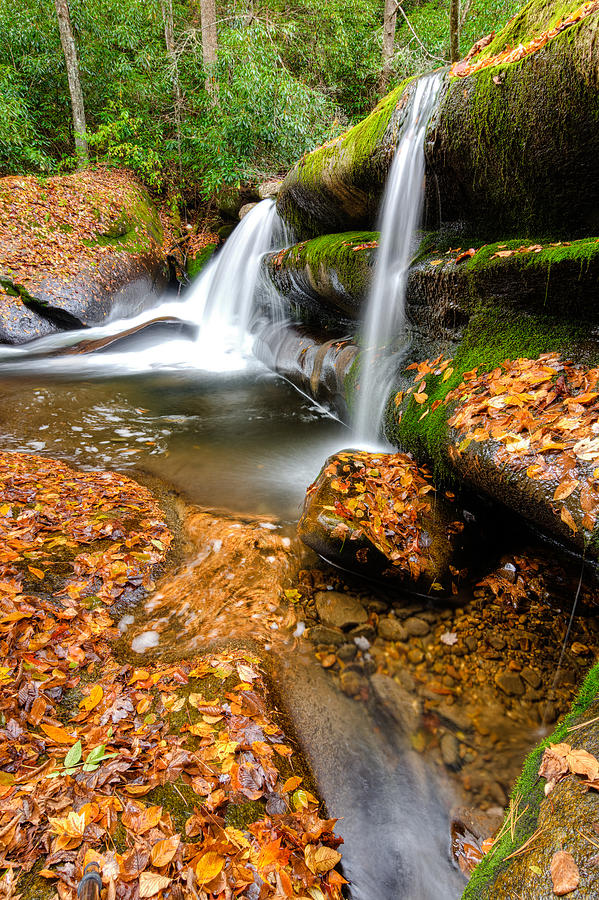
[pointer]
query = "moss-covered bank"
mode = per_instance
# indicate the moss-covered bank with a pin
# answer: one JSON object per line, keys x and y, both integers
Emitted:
{"x": 559, "y": 821}
{"x": 73, "y": 250}
{"x": 325, "y": 281}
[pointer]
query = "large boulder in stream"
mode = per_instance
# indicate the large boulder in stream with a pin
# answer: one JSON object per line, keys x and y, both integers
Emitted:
{"x": 515, "y": 140}
{"x": 378, "y": 514}
{"x": 513, "y": 143}
{"x": 74, "y": 251}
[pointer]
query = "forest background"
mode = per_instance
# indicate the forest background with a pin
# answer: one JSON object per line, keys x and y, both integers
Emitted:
{"x": 194, "y": 95}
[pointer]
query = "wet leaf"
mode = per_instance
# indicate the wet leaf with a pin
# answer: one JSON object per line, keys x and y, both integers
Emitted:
{"x": 208, "y": 866}
{"x": 564, "y": 873}
{"x": 162, "y": 852}
{"x": 58, "y": 735}
{"x": 321, "y": 859}
{"x": 150, "y": 883}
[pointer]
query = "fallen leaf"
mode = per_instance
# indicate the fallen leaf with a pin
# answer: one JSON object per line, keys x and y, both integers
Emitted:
{"x": 564, "y": 873}
{"x": 150, "y": 883}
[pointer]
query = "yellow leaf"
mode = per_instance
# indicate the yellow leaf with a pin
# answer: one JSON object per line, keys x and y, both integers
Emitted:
{"x": 58, "y": 735}
{"x": 565, "y": 488}
{"x": 94, "y": 697}
{"x": 566, "y": 517}
{"x": 72, "y": 825}
{"x": 246, "y": 673}
{"x": 163, "y": 851}
{"x": 291, "y": 784}
{"x": 37, "y": 572}
{"x": 150, "y": 883}
{"x": 208, "y": 866}
{"x": 139, "y": 675}
{"x": 320, "y": 859}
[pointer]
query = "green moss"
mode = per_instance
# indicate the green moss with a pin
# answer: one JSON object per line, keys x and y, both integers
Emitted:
{"x": 356, "y": 146}
{"x": 532, "y": 20}
{"x": 196, "y": 263}
{"x": 336, "y": 257}
{"x": 528, "y": 790}
{"x": 240, "y": 815}
{"x": 492, "y": 336}
{"x": 583, "y": 251}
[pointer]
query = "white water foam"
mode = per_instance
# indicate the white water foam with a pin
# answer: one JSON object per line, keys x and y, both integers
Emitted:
{"x": 384, "y": 333}
{"x": 219, "y": 305}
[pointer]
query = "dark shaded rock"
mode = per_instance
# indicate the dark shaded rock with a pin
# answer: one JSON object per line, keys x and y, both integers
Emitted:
{"x": 531, "y": 677}
{"x": 353, "y": 683}
{"x": 325, "y": 281}
{"x": 347, "y": 652}
{"x": 320, "y": 634}
{"x": 391, "y": 629}
{"x": 67, "y": 278}
{"x": 339, "y": 610}
{"x": 510, "y": 683}
{"x": 317, "y": 367}
{"x": 416, "y": 627}
{"x": 363, "y": 632}
{"x": 513, "y": 143}
{"x": 450, "y": 750}
{"x": 424, "y": 537}
{"x": 403, "y": 707}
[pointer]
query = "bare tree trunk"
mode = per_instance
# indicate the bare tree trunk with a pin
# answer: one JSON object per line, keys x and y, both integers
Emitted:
{"x": 389, "y": 26}
{"x": 169, "y": 38}
{"x": 454, "y": 30}
{"x": 209, "y": 40}
{"x": 70, "y": 56}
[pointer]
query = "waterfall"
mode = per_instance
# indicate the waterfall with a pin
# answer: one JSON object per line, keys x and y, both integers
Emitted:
{"x": 384, "y": 333}
{"x": 220, "y": 307}
{"x": 225, "y": 293}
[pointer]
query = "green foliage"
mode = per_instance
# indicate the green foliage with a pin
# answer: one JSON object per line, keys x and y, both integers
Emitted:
{"x": 120, "y": 140}
{"x": 290, "y": 75}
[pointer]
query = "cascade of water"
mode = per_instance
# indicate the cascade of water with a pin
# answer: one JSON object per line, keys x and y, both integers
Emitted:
{"x": 384, "y": 332}
{"x": 220, "y": 304}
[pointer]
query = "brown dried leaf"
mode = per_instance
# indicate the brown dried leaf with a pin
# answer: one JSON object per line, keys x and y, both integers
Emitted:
{"x": 564, "y": 873}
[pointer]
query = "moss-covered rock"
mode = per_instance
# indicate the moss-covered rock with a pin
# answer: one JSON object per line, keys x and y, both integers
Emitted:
{"x": 338, "y": 186}
{"x": 325, "y": 280}
{"x": 75, "y": 249}
{"x": 564, "y": 820}
{"x": 516, "y": 145}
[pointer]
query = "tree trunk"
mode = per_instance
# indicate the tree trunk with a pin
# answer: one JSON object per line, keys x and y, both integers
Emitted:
{"x": 454, "y": 30}
{"x": 389, "y": 26}
{"x": 169, "y": 39}
{"x": 70, "y": 55}
{"x": 209, "y": 40}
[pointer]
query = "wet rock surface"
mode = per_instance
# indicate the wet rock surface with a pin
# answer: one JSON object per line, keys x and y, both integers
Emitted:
{"x": 89, "y": 245}
{"x": 374, "y": 513}
{"x": 474, "y": 680}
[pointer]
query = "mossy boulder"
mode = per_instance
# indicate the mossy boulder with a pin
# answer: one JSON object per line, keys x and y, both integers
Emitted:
{"x": 378, "y": 514}
{"x": 499, "y": 371}
{"x": 75, "y": 250}
{"x": 563, "y": 820}
{"x": 516, "y": 144}
{"x": 325, "y": 280}
{"x": 338, "y": 187}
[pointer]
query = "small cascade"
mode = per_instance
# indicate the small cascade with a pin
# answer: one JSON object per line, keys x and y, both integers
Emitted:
{"x": 219, "y": 308}
{"x": 384, "y": 333}
{"x": 223, "y": 296}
